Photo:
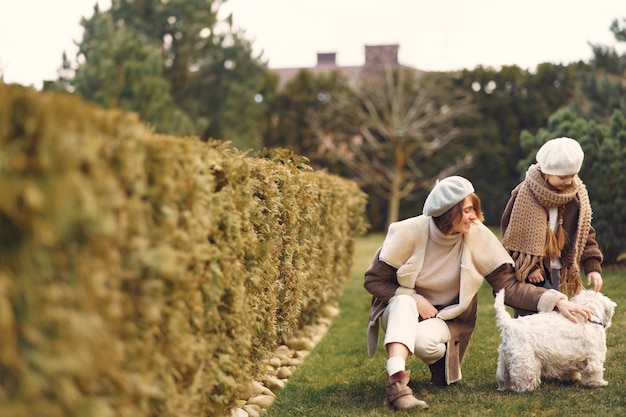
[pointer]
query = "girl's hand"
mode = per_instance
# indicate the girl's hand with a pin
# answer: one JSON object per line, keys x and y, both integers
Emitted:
{"x": 536, "y": 276}
{"x": 597, "y": 280}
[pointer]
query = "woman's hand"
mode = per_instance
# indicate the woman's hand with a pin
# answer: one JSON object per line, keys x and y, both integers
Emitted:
{"x": 536, "y": 276}
{"x": 597, "y": 280}
{"x": 425, "y": 309}
{"x": 570, "y": 310}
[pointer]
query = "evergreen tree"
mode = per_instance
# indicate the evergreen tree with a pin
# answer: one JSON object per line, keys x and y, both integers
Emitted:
{"x": 128, "y": 76}
{"x": 603, "y": 82}
{"x": 509, "y": 101}
{"x": 303, "y": 103}
{"x": 176, "y": 65}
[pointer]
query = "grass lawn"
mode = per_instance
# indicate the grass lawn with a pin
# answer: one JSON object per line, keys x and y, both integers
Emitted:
{"x": 339, "y": 379}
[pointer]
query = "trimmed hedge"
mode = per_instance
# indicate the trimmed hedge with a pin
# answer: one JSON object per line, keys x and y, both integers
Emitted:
{"x": 147, "y": 275}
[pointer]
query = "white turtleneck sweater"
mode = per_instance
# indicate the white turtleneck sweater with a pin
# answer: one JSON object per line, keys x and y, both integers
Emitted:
{"x": 439, "y": 279}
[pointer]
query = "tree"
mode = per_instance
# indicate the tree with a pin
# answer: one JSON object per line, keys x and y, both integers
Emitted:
{"x": 293, "y": 110}
{"x": 128, "y": 76}
{"x": 619, "y": 30}
{"x": 603, "y": 83}
{"x": 176, "y": 65}
{"x": 396, "y": 128}
{"x": 508, "y": 100}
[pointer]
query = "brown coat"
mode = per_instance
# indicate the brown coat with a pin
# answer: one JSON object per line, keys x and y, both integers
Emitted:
{"x": 381, "y": 281}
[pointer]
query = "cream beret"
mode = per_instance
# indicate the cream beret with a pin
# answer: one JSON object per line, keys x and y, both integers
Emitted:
{"x": 560, "y": 156}
{"x": 446, "y": 194}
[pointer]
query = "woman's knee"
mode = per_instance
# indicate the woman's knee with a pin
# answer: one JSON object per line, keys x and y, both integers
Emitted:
{"x": 429, "y": 350}
{"x": 431, "y": 341}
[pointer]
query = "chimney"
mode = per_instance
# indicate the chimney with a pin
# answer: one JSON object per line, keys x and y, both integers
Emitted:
{"x": 326, "y": 59}
{"x": 377, "y": 56}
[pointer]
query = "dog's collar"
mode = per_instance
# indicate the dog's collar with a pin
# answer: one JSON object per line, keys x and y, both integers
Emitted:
{"x": 598, "y": 322}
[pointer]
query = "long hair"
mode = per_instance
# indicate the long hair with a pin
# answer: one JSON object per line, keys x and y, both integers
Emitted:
{"x": 556, "y": 241}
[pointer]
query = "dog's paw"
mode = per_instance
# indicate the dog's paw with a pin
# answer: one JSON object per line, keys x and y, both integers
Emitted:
{"x": 596, "y": 384}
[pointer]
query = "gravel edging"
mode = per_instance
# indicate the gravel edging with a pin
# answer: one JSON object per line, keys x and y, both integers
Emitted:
{"x": 283, "y": 362}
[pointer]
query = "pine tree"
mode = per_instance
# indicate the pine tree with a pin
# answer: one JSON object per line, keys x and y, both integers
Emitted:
{"x": 176, "y": 65}
{"x": 603, "y": 82}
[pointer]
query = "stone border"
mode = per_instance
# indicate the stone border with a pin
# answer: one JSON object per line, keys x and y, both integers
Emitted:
{"x": 283, "y": 362}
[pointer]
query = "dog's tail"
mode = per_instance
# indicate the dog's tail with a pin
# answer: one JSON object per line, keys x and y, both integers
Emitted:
{"x": 502, "y": 316}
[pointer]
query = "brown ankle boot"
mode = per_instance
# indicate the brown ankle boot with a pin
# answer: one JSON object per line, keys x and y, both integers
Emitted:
{"x": 399, "y": 395}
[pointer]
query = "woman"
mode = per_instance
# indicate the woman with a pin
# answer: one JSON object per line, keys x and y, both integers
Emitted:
{"x": 424, "y": 280}
{"x": 546, "y": 225}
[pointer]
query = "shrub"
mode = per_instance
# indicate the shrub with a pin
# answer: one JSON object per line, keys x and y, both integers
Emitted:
{"x": 143, "y": 274}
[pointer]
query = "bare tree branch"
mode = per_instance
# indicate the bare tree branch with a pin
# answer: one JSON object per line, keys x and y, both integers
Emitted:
{"x": 398, "y": 122}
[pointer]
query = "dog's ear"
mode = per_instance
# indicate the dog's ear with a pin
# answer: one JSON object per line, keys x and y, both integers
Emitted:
{"x": 609, "y": 311}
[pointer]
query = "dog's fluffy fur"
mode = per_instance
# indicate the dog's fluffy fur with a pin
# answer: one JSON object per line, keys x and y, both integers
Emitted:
{"x": 549, "y": 345}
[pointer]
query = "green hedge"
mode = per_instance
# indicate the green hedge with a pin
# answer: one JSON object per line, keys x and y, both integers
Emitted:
{"x": 146, "y": 275}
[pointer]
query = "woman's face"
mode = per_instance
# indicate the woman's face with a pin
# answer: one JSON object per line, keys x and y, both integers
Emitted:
{"x": 464, "y": 222}
{"x": 560, "y": 182}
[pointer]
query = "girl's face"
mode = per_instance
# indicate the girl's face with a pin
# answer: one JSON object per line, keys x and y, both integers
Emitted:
{"x": 464, "y": 222}
{"x": 560, "y": 182}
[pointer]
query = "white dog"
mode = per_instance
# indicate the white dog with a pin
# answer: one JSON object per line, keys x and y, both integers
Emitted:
{"x": 551, "y": 346}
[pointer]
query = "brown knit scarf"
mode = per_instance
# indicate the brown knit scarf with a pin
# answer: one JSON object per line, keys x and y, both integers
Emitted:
{"x": 525, "y": 237}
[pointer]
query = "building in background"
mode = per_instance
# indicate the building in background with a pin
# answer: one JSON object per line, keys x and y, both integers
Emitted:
{"x": 376, "y": 56}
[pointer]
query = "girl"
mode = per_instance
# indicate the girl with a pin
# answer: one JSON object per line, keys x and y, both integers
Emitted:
{"x": 546, "y": 225}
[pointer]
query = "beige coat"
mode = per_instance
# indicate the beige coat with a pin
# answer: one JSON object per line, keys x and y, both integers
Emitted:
{"x": 397, "y": 264}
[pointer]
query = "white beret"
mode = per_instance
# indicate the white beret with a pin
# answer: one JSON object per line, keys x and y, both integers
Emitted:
{"x": 560, "y": 156}
{"x": 446, "y": 194}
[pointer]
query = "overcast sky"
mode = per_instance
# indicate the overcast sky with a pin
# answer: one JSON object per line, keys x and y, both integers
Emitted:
{"x": 433, "y": 34}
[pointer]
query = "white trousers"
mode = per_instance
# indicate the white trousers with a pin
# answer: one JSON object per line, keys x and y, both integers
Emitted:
{"x": 425, "y": 339}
